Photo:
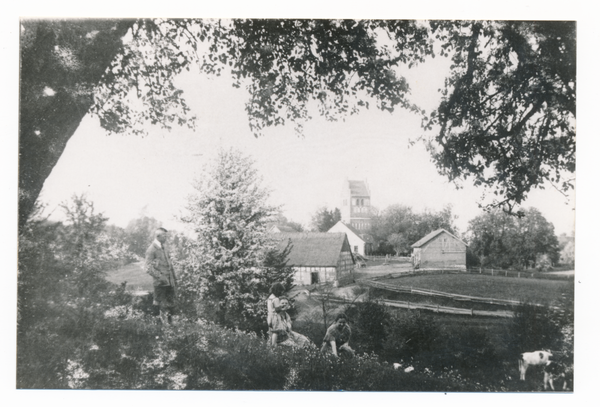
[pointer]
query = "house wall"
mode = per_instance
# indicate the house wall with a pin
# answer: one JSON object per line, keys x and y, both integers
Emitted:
{"x": 303, "y": 275}
{"x": 443, "y": 252}
{"x": 345, "y": 269}
{"x": 339, "y": 275}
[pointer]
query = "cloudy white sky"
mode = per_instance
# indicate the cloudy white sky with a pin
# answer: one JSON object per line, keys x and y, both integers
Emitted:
{"x": 126, "y": 176}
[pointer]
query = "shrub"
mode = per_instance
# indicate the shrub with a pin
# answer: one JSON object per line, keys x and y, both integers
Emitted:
{"x": 473, "y": 355}
{"x": 532, "y": 327}
{"x": 543, "y": 263}
{"x": 411, "y": 334}
{"x": 369, "y": 321}
{"x": 216, "y": 358}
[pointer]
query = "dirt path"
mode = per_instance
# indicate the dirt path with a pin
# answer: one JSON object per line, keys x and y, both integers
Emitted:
{"x": 563, "y": 273}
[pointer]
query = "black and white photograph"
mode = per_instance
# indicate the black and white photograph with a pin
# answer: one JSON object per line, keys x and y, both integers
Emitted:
{"x": 296, "y": 204}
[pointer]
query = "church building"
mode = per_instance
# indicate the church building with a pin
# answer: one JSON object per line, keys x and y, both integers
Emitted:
{"x": 356, "y": 205}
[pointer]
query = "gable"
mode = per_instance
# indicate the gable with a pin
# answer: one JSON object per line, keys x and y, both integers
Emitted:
{"x": 433, "y": 236}
{"x": 347, "y": 229}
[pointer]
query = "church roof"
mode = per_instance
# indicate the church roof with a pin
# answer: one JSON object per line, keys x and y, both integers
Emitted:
{"x": 358, "y": 188}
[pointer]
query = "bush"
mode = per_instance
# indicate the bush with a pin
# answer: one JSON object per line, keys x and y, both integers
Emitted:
{"x": 410, "y": 335}
{"x": 473, "y": 355}
{"x": 369, "y": 321}
{"x": 543, "y": 263}
{"x": 215, "y": 358}
{"x": 532, "y": 328}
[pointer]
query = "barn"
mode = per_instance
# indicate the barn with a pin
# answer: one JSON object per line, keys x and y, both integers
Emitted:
{"x": 318, "y": 257}
{"x": 440, "y": 250}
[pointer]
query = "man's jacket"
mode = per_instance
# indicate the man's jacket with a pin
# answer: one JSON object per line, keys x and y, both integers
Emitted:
{"x": 158, "y": 265}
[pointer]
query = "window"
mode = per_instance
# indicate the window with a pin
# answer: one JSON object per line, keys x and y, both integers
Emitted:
{"x": 355, "y": 249}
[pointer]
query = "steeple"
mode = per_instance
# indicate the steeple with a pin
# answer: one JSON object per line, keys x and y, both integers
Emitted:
{"x": 356, "y": 204}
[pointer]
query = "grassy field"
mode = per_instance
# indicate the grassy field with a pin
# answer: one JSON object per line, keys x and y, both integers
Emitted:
{"x": 508, "y": 288}
{"x": 137, "y": 279}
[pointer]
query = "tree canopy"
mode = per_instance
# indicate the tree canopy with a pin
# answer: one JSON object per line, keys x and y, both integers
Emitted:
{"x": 501, "y": 240}
{"x": 507, "y": 114}
{"x": 400, "y": 227}
{"x": 231, "y": 263}
{"x": 324, "y": 219}
{"x": 506, "y": 117}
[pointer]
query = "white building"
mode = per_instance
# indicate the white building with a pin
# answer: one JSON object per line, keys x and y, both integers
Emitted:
{"x": 360, "y": 243}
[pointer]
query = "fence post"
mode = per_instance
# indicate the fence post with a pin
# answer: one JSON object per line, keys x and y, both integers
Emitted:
{"x": 479, "y": 270}
{"x": 471, "y": 311}
{"x": 519, "y": 274}
{"x": 492, "y": 271}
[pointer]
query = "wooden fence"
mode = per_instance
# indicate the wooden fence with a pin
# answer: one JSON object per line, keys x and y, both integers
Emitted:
{"x": 390, "y": 258}
{"x": 519, "y": 274}
{"x": 434, "y": 293}
{"x": 429, "y": 307}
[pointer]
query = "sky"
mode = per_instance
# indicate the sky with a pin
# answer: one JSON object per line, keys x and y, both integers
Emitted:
{"x": 130, "y": 176}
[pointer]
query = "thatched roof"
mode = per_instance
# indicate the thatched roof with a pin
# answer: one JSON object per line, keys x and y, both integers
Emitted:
{"x": 311, "y": 249}
{"x": 432, "y": 235}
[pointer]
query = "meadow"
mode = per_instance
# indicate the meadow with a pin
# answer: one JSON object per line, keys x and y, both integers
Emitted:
{"x": 134, "y": 275}
{"x": 531, "y": 290}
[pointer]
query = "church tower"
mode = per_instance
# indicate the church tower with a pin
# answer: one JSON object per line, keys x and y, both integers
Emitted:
{"x": 356, "y": 205}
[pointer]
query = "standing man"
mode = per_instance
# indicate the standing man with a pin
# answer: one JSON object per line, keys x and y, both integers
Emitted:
{"x": 159, "y": 266}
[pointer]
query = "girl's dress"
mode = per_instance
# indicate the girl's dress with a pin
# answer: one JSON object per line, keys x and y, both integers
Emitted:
{"x": 280, "y": 323}
{"x": 277, "y": 319}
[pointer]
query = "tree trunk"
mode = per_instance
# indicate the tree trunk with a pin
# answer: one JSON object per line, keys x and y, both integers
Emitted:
{"x": 61, "y": 63}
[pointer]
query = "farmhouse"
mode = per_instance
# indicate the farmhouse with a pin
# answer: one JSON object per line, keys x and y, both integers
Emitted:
{"x": 318, "y": 257}
{"x": 361, "y": 243}
{"x": 440, "y": 250}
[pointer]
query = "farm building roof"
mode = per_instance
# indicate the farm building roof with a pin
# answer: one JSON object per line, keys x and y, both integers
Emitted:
{"x": 358, "y": 188}
{"x": 367, "y": 238}
{"x": 432, "y": 235}
{"x": 311, "y": 249}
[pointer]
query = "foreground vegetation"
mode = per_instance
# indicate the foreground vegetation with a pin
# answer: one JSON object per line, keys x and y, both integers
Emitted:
{"x": 120, "y": 346}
